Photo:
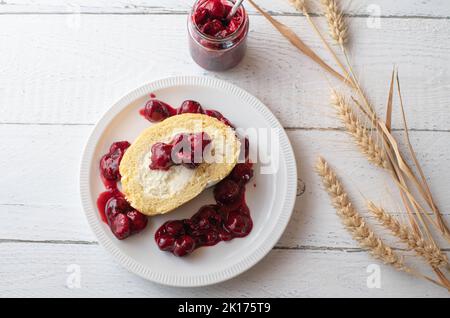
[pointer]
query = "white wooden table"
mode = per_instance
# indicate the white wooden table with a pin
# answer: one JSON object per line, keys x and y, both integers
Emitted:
{"x": 63, "y": 63}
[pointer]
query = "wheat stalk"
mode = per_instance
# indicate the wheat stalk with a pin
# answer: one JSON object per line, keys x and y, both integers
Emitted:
{"x": 388, "y": 155}
{"x": 300, "y": 45}
{"x": 358, "y": 131}
{"x": 301, "y": 6}
{"x": 429, "y": 251}
{"x": 353, "y": 221}
{"x": 336, "y": 22}
{"x": 356, "y": 225}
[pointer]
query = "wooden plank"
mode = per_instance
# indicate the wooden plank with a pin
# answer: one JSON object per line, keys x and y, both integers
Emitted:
{"x": 58, "y": 71}
{"x": 40, "y": 270}
{"x": 40, "y": 200}
{"x": 427, "y": 8}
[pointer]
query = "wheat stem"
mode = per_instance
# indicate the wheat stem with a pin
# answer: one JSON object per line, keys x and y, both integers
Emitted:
{"x": 356, "y": 225}
{"x": 301, "y": 6}
{"x": 428, "y": 250}
{"x": 422, "y": 186}
{"x": 358, "y": 131}
{"x": 299, "y": 44}
{"x": 353, "y": 221}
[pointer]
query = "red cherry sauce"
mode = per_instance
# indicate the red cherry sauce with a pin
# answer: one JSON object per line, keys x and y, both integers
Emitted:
{"x": 210, "y": 18}
{"x": 156, "y": 111}
{"x": 183, "y": 149}
{"x": 227, "y": 219}
{"x": 114, "y": 209}
{"x": 216, "y": 43}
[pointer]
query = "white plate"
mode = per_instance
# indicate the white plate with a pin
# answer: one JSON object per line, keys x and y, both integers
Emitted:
{"x": 270, "y": 196}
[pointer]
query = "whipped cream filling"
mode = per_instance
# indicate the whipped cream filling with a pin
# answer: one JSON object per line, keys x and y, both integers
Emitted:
{"x": 161, "y": 183}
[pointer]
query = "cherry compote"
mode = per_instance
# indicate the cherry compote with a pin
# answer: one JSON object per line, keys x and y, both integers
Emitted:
{"x": 156, "y": 111}
{"x": 217, "y": 42}
{"x": 184, "y": 149}
{"x": 109, "y": 164}
{"x": 223, "y": 221}
{"x": 211, "y": 18}
{"x": 114, "y": 209}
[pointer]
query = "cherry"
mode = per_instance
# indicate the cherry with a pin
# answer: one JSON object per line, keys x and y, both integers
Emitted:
{"x": 226, "y": 191}
{"x": 174, "y": 228}
{"x": 239, "y": 224}
{"x": 179, "y": 140}
{"x": 156, "y": 110}
{"x": 242, "y": 172}
{"x": 243, "y": 209}
{"x": 213, "y": 113}
{"x": 234, "y": 24}
{"x": 109, "y": 168}
{"x": 109, "y": 163}
{"x": 225, "y": 235}
{"x": 138, "y": 221}
{"x": 161, "y": 158}
{"x": 115, "y": 206}
{"x": 211, "y": 238}
{"x": 165, "y": 242}
{"x": 121, "y": 226}
{"x": 216, "y": 8}
{"x": 216, "y": 114}
{"x": 190, "y": 225}
{"x": 198, "y": 143}
{"x": 205, "y": 217}
{"x": 189, "y": 149}
{"x": 186, "y": 149}
{"x": 184, "y": 245}
{"x": 190, "y": 106}
{"x": 200, "y": 16}
{"x": 118, "y": 148}
{"x": 212, "y": 28}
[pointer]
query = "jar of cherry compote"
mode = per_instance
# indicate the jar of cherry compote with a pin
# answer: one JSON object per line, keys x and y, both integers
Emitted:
{"x": 215, "y": 43}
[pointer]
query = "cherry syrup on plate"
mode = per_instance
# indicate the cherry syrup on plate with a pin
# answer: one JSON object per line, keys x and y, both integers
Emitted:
{"x": 115, "y": 211}
{"x": 223, "y": 221}
{"x": 228, "y": 218}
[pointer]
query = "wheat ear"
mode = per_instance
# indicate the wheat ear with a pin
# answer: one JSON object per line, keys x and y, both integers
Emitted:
{"x": 374, "y": 153}
{"x": 302, "y": 6}
{"x": 355, "y": 224}
{"x": 430, "y": 252}
{"x": 336, "y": 22}
{"x": 299, "y": 5}
{"x": 353, "y": 221}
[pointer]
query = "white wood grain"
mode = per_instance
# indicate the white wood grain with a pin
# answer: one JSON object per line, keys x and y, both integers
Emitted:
{"x": 40, "y": 201}
{"x": 298, "y": 273}
{"x": 61, "y": 70}
{"x": 53, "y": 73}
{"x": 422, "y": 8}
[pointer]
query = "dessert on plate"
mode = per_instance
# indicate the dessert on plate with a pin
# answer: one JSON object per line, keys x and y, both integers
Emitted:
{"x": 171, "y": 162}
{"x": 154, "y": 183}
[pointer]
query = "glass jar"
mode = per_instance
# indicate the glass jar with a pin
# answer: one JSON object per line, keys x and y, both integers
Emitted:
{"x": 221, "y": 51}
